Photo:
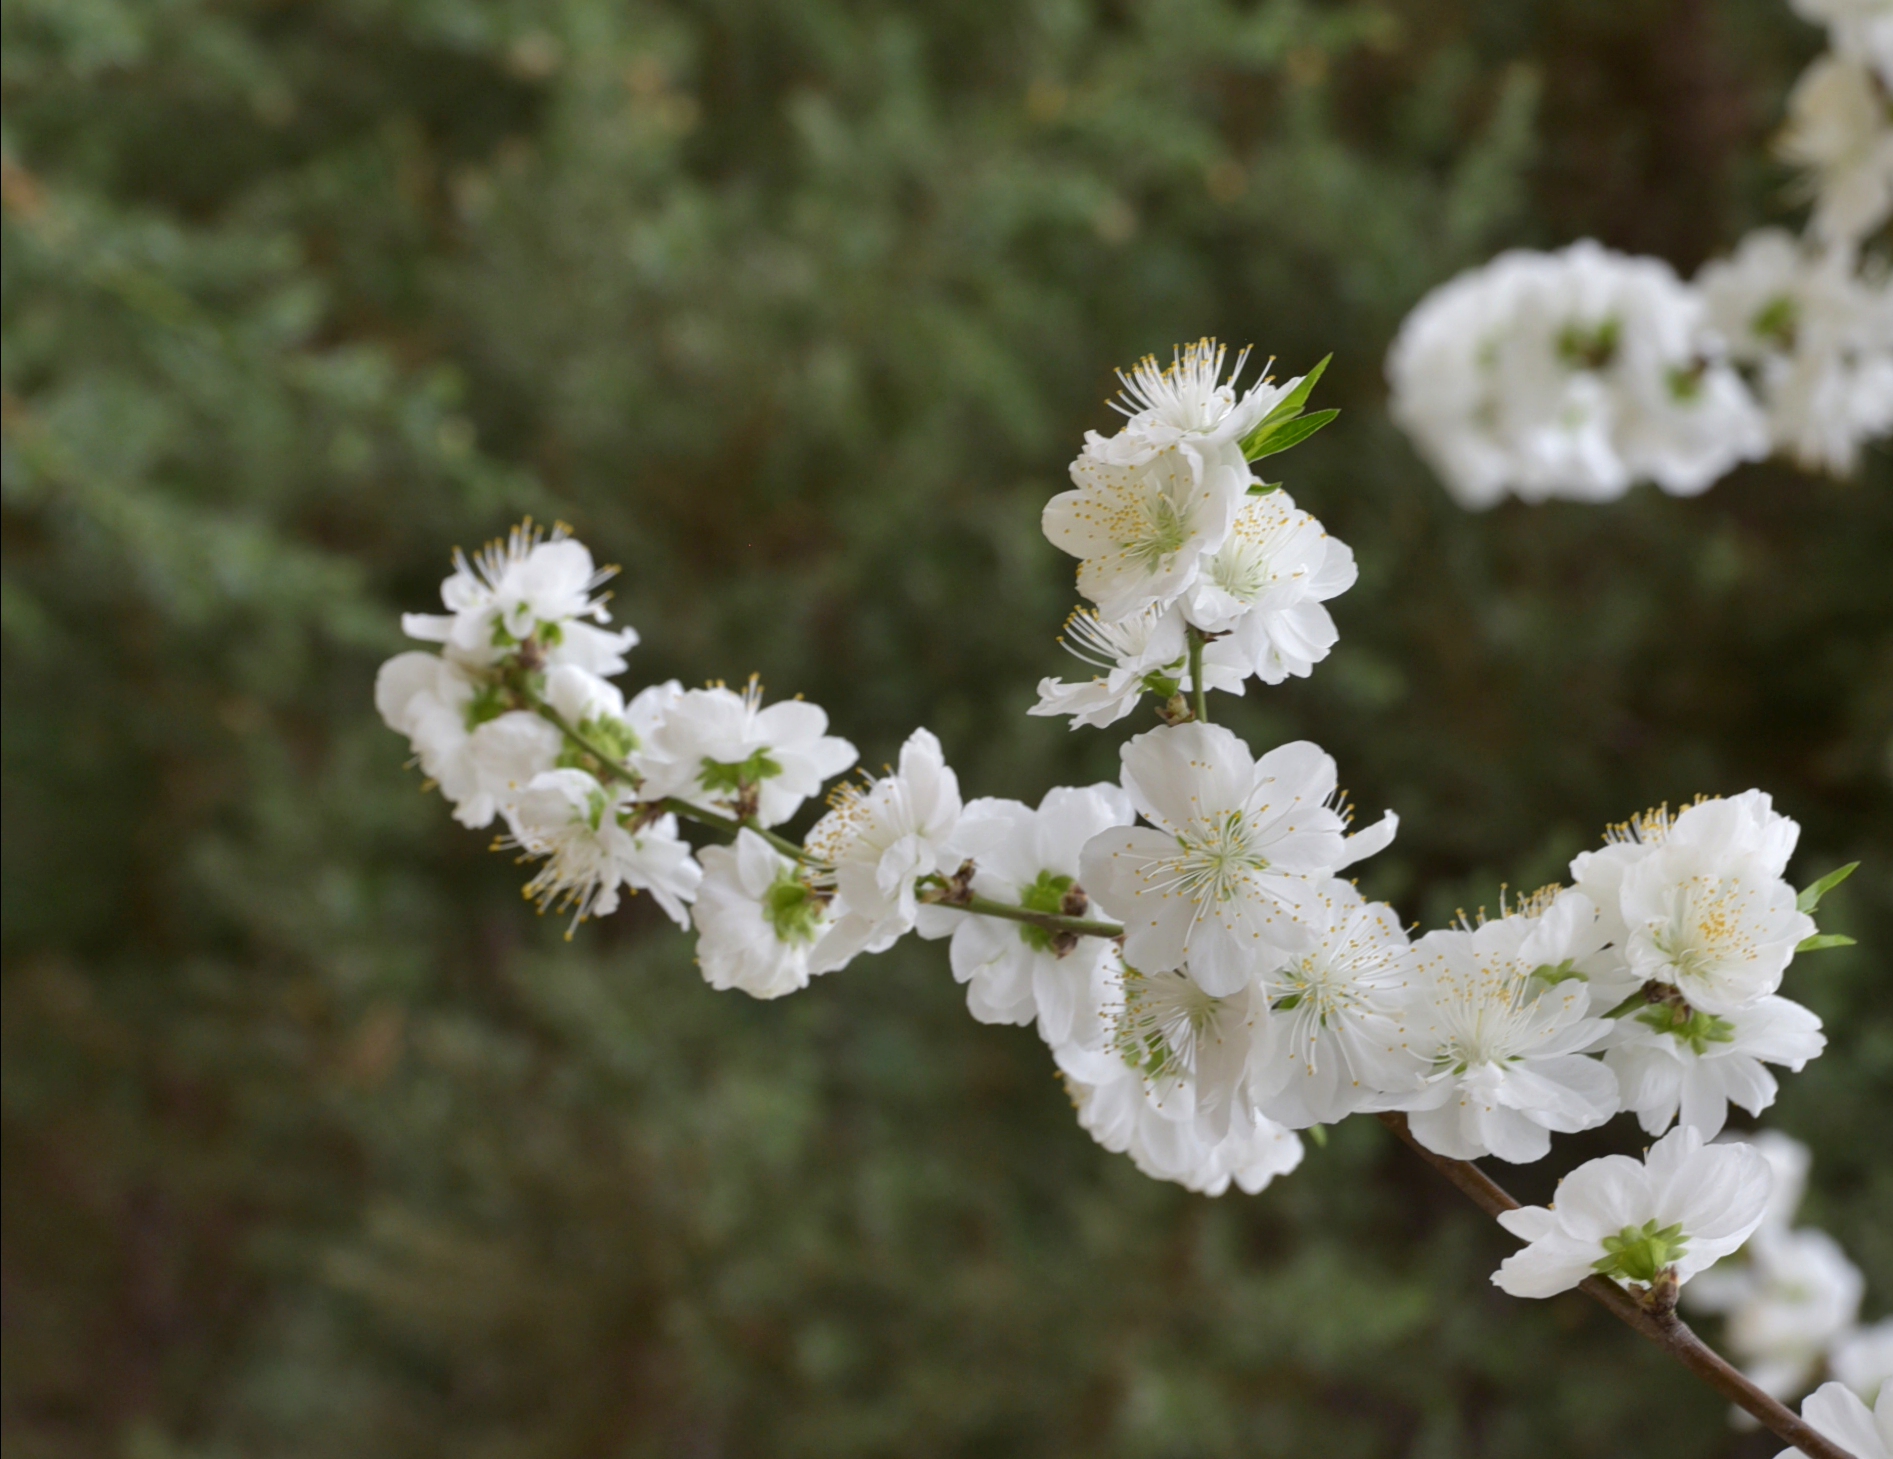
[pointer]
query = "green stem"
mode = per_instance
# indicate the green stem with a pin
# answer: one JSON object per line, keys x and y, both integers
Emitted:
{"x": 729, "y": 826}
{"x": 980, "y": 906}
{"x": 615, "y": 770}
{"x": 1199, "y": 696}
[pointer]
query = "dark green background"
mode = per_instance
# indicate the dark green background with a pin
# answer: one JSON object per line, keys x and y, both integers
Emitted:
{"x": 317, "y": 1143}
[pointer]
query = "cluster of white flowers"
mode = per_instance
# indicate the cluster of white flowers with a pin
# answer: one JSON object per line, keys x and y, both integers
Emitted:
{"x": 1207, "y": 981}
{"x": 1577, "y": 373}
{"x": 1191, "y": 562}
{"x": 1790, "y": 1298}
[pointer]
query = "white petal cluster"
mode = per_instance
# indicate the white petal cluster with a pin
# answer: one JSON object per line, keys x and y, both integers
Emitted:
{"x": 1837, "y": 1412}
{"x": 726, "y": 751}
{"x": 1018, "y": 973}
{"x": 1679, "y": 1210}
{"x": 596, "y": 840}
{"x": 1702, "y": 926}
{"x": 1503, "y": 1015}
{"x": 1175, "y": 535}
{"x": 1790, "y": 1299}
{"x": 1569, "y": 374}
{"x": 876, "y": 843}
{"x": 527, "y": 587}
{"x": 1577, "y": 373}
{"x": 1814, "y": 337}
{"x": 758, "y": 918}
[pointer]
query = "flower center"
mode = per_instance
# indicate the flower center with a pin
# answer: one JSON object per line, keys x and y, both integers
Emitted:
{"x": 1641, "y": 1253}
{"x": 1216, "y": 866}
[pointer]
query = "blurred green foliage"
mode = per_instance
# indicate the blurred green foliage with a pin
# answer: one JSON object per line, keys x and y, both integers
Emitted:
{"x": 316, "y": 1143}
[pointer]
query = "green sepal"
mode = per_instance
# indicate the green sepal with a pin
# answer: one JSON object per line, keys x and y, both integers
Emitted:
{"x": 720, "y": 778}
{"x": 1630, "y": 1005}
{"x": 1319, "y": 1134}
{"x": 1642, "y": 1253}
{"x": 1047, "y": 894}
{"x": 1553, "y": 974}
{"x": 489, "y": 702}
{"x": 1263, "y": 488}
{"x": 1161, "y": 684}
{"x": 1811, "y": 895}
{"x": 1698, "y": 1031}
{"x": 1823, "y": 940}
{"x": 1293, "y": 433}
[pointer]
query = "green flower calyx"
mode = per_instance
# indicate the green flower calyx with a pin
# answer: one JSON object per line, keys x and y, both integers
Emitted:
{"x": 1641, "y": 1253}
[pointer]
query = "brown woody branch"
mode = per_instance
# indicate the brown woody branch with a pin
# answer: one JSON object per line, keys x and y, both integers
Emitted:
{"x": 1656, "y": 1318}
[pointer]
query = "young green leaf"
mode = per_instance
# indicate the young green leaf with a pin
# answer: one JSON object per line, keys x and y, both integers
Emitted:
{"x": 1822, "y": 940}
{"x": 1811, "y": 895}
{"x": 1290, "y": 406}
{"x": 1263, "y": 488}
{"x": 1293, "y": 433}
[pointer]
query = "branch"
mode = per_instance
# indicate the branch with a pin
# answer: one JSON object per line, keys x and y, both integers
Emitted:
{"x": 614, "y": 769}
{"x": 1049, "y": 921}
{"x": 1661, "y": 1326}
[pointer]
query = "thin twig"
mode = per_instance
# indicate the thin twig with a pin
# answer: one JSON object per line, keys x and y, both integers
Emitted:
{"x": 1199, "y": 695}
{"x": 1662, "y": 1327}
{"x": 1049, "y": 921}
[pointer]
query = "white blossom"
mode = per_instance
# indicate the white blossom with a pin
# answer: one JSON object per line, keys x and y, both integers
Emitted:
{"x": 1502, "y": 1016}
{"x": 1682, "y": 1208}
{"x": 1784, "y": 1307}
{"x": 1837, "y": 1412}
{"x": 1221, "y": 877}
{"x": 1015, "y": 972}
{"x": 1704, "y": 904}
{"x": 757, "y": 917}
{"x": 1816, "y": 336}
{"x": 1186, "y": 405}
{"x": 1839, "y": 132}
{"x": 1143, "y": 654}
{"x": 1571, "y": 374}
{"x": 1672, "y": 1060}
{"x": 1140, "y": 531}
{"x": 1265, "y": 585}
{"x": 1121, "y": 1119}
{"x": 526, "y": 587}
{"x": 876, "y": 842}
{"x": 435, "y": 705}
{"x": 594, "y": 841}
{"x": 727, "y": 752}
{"x": 1335, "y": 1039}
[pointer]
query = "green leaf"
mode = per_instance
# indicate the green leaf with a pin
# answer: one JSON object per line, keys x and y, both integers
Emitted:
{"x": 1263, "y": 488}
{"x": 1284, "y": 436}
{"x": 1822, "y": 940}
{"x": 1811, "y": 895}
{"x": 1293, "y": 403}
{"x": 1630, "y": 1005}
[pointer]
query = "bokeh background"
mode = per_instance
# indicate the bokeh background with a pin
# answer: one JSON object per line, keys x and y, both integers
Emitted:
{"x": 317, "y": 1143}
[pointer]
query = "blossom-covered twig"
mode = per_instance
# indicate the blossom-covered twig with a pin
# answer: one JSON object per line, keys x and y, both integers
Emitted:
{"x": 1656, "y": 1320}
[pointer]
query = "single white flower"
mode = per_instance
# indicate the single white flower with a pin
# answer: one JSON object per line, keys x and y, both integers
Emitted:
{"x": 1837, "y": 1412}
{"x": 1014, "y": 972}
{"x": 1221, "y": 878}
{"x": 1706, "y": 908}
{"x": 1265, "y": 585}
{"x": 1188, "y": 1053}
{"x": 1682, "y": 1208}
{"x": 876, "y": 842}
{"x": 1502, "y": 1016}
{"x": 595, "y": 841}
{"x": 1121, "y": 1119}
{"x": 527, "y": 586}
{"x": 1186, "y": 405}
{"x": 1839, "y": 132}
{"x": 1571, "y": 374}
{"x": 1143, "y": 654}
{"x": 1335, "y": 1039}
{"x": 1140, "y": 531}
{"x": 757, "y": 917}
{"x": 1784, "y": 1307}
{"x": 1670, "y": 1059}
{"x": 727, "y": 752}
{"x": 1863, "y": 1358}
